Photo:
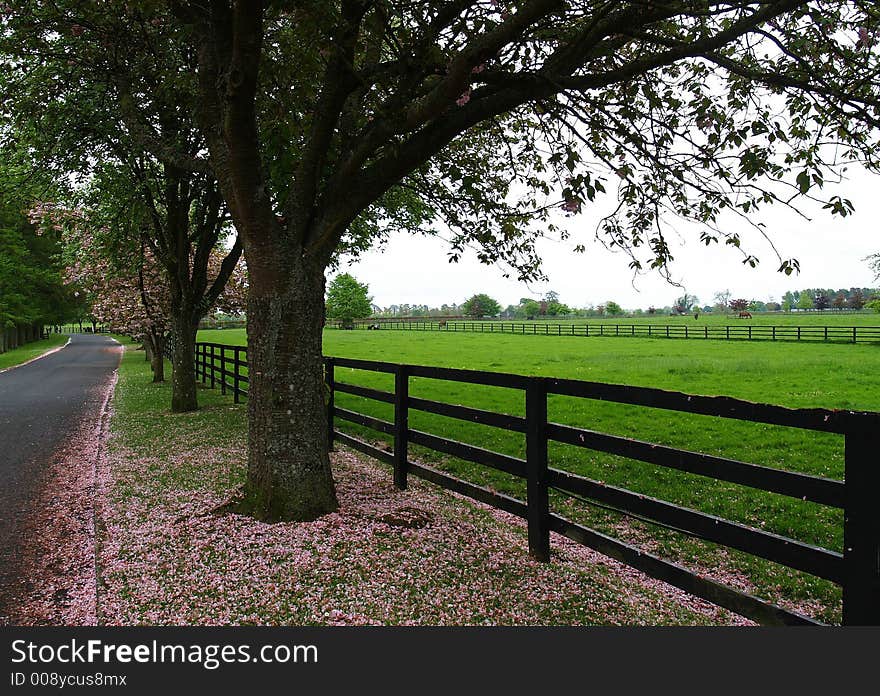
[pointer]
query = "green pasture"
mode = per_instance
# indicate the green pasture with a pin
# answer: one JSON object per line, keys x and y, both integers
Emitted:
{"x": 790, "y": 374}
{"x": 29, "y": 351}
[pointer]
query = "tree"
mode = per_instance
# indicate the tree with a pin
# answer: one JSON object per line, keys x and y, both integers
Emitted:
{"x": 481, "y": 305}
{"x": 33, "y": 291}
{"x": 322, "y": 120}
{"x": 722, "y": 300}
{"x": 613, "y": 309}
{"x": 805, "y": 301}
{"x": 127, "y": 287}
{"x": 131, "y": 196}
{"x": 739, "y": 305}
{"x": 856, "y": 299}
{"x": 554, "y": 307}
{"x": 839, "y": 301}
{"x": 822, "y": 302}
{"x": 685, "y": 303}
{"x": 347, "y": 299}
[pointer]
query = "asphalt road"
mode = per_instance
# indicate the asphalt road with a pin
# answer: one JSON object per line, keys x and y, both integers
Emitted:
{"x": 43, "y": 405}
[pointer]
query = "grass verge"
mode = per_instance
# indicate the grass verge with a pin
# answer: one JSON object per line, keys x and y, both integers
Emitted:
{"x": 421, "y": 556}
{"x": 20, "y": 355}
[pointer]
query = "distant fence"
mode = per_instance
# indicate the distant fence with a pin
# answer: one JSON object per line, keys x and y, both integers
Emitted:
{"x": 729, "y": 332}
{"x": 856, "y": 570}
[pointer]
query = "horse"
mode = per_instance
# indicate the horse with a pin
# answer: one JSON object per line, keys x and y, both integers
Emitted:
{"x": 745, "y": 315}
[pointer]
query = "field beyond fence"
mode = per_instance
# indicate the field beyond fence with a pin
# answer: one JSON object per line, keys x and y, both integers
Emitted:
{"x": 853, "y": 568}
{"x": 704, "y": 331}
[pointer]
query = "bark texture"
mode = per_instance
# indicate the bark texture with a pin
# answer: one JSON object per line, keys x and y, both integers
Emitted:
{"x": 289, "y": 474}
{"x": 154, "y": 346}
{"x": 183, "y": 378}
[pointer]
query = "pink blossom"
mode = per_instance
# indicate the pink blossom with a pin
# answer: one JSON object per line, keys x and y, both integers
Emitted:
{"x": 464, "y": 98}
{"x": 572, "y": 205}
{"x": 865, "y": 39}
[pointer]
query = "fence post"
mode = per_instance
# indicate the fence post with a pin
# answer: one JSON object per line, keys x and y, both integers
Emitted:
{"x": 330, "y": 381}
{"x": 861, "y": 533}
{"x": 204, "y": 359}
{"x": 223, "y": 370}
{"x": 536, "y": 469}
{"x": 236, "y": 373}
{"x": 213, "y": 364}
{"x": 401, "y": 425}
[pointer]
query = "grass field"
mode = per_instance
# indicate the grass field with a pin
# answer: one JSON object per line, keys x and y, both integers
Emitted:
{"x": 789, "y": 374}
{"x": 16, "y": 356}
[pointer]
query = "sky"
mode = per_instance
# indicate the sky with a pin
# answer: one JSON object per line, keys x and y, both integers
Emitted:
{"x": 415, "y": 270}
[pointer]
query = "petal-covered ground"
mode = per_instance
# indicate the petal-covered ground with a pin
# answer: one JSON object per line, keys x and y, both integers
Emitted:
{"x": 421, "y": 556}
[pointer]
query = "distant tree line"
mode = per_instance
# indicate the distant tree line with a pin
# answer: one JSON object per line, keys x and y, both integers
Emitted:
{"x": 33, "y": 292}
{"x": 828, "y": 298}
{"x": 483, "y": 306}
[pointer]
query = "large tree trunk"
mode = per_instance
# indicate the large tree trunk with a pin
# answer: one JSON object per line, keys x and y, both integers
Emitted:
{"x": 155, "y": 349}
{"x": 183, "y": 380}
{"x": 289, "y": 476}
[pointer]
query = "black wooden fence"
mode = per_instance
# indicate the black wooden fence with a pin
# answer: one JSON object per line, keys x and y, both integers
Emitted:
{"x": 856, "y": 569}
{"x": 729, "y": 332}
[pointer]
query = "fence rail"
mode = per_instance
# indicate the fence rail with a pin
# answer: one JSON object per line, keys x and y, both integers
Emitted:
{"x": 728, "y": 332}
{"x": 856, "y": 569}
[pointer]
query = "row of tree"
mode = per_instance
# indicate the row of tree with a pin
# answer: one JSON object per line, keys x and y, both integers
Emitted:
{"x": 318, "y": 128}
{"x": 359, "y": 305}
{"x": 33, "y": 291}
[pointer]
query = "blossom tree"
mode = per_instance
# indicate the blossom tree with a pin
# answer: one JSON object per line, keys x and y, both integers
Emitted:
{"x": 329, "y": 124}
{"x": 129, "y": 289}
{"x": 84, "y": 130}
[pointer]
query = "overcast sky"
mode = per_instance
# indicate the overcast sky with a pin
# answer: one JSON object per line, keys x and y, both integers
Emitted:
{"x": 415, "y": 270}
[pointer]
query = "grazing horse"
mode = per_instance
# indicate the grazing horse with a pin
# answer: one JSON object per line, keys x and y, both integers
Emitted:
{"x": 745, "y": 315}
{"x": 443, "y": 324}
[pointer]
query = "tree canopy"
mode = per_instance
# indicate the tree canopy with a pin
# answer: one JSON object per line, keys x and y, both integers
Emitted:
{"x": 32, "y": 283}
{"x": 481, "y": 305}
{"x": 348, "y": 299}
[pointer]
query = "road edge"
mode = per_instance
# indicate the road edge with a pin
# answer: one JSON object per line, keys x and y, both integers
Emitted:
{"x": 102, "y": 435}
{"x": 39, "y": 357}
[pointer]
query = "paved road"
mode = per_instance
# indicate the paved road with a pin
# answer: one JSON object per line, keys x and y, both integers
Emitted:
{"x": 42, "y": 405}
